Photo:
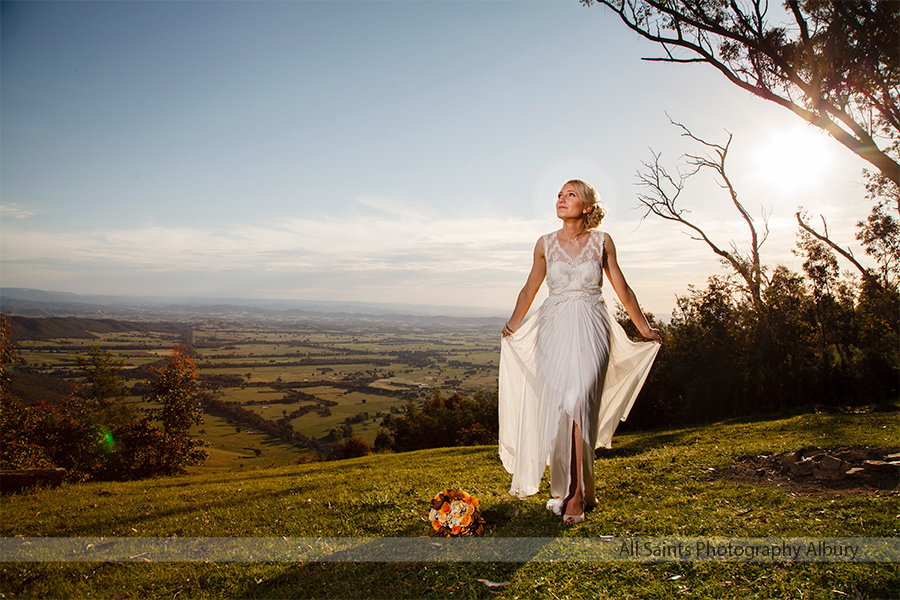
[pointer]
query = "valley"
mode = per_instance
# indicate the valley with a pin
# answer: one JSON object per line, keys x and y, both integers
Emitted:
{"x": 326, "y": 378}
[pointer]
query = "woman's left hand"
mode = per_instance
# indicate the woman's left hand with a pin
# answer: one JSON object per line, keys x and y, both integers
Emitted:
{"x": 654, "y": 335}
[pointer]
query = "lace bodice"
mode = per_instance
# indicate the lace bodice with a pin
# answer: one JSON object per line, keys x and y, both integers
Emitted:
{"x": 578, "y": 277}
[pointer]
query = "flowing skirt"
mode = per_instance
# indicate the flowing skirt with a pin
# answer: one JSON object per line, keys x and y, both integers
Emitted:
{"x": 568, "y": 364}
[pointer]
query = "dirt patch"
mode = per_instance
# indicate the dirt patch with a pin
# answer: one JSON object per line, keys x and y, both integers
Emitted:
{"x": 862, "y": 471}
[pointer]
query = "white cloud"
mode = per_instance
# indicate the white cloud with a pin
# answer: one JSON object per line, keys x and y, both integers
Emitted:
{"x": 12, "y": 210}
{"x": 389, "y": 255}
{"x": 380, "y": 258}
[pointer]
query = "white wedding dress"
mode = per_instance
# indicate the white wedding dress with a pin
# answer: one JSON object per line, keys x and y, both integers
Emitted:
{"x": 569, "y": 363}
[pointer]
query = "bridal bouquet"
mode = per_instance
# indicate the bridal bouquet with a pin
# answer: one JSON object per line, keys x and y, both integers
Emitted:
{"x": 456, "y": 513}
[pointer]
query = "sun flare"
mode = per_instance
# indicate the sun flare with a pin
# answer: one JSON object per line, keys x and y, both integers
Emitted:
{"x": 795, "y": 159}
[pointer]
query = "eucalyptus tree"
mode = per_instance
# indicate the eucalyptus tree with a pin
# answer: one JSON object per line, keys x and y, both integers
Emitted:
{"x": 833, "y": 63}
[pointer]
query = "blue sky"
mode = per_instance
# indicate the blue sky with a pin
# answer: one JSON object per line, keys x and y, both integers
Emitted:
{"x": 373, "y": 151}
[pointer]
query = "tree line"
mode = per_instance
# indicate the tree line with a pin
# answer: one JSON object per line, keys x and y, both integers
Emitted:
{"x": 767, "y": 338}
{"x": 724, "y": 356}
{"x": 455, "y": 420}
{"x": 761, "y": 337}
{"x": 280, "y": 429}
{"x": 94, "y": 433}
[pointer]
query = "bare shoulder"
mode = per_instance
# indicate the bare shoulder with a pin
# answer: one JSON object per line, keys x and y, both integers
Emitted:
{"x": 539, "y": 246}
{"x": 608, "y": 244}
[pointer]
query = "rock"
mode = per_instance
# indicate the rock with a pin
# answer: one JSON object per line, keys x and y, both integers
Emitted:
{"x": 791, "y": 458}
{"x": 879, "y": 466}
{"x": 804, "y": 467}
{"x": 820, "y": 473}
{"x": 822, "y": 465}
{"x": 831, "y": 463}
{"x": 831, "y": 467}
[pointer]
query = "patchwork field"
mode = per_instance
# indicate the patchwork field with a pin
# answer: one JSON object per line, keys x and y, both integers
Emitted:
{"x": 319, "y": 378}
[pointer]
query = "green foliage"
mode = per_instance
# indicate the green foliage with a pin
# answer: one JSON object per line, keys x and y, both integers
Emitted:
{"x": 104, "y": 395}
{"x": 175, "y": 388}
{"x": 140, "y": 450}
{"x": 832, "y": 63}
{"x": 880, "y": 232}
{"x": 353, "y": 447}
{"x": 452, "y": 421}
{"x": 9, "y": 354}
{"x": 41, "y": 435}
{"x": 383, "y": 441}
{"x": 92, "y": 435}
{"x": 101, "y": 370}
{"x": 19, "y": 447}
{"x": 815, "y": 340}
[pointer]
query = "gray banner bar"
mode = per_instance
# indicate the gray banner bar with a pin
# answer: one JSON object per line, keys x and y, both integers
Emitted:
{"x": 432, "y": 549}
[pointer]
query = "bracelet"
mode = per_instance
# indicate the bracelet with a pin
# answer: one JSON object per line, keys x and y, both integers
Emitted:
{"x": 508, "y": 330}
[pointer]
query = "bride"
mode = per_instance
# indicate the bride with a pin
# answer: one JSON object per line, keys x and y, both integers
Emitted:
{"x": 569, "y": 374}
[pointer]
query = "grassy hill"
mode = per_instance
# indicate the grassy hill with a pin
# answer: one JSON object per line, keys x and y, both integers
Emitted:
{"x": 681, "y": 482}
{"x": 50, "y": 328}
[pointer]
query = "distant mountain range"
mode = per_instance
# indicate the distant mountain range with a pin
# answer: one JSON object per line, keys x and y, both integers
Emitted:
{"x": 29, "y": 302}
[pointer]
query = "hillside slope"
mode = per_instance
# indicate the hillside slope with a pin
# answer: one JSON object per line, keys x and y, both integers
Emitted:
{"x": 49, "y": 328}
{"x": 664, "y": 483}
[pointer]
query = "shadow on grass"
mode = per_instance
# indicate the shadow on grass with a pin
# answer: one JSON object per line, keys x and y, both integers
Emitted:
{"x": 641, "y": 442}
{"x": 833, "y": 427}
{"x": 133, "y": 523}
{"x": 403, "y": 460}
{"x": 385, "y": 580}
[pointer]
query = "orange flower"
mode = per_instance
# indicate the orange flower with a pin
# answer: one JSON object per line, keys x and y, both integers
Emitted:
{"x": 455, "y": 512}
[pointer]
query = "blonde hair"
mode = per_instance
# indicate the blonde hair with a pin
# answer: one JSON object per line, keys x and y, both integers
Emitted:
{"x": 589, "y": 196}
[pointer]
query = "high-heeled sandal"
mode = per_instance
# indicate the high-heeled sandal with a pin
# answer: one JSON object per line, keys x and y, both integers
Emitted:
{"x": 573, "y": 519}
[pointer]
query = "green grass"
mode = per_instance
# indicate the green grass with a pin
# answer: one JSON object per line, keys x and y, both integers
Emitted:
{"x": 651, "y": 484}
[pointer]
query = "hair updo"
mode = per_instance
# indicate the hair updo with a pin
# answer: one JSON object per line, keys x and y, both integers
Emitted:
{"x": 590, "y": 198}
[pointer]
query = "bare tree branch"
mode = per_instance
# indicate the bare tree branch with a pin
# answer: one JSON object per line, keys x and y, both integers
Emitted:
{"x": 823, "y": 237}
{"x": 797, "y": 74}
{"x": 662, "y": 201}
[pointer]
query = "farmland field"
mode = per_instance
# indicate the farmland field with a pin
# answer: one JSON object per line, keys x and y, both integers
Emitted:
{"x": 318, "y": 378}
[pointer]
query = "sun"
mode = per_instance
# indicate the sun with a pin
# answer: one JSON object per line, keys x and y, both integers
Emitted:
{"x": 795, "y": 159}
